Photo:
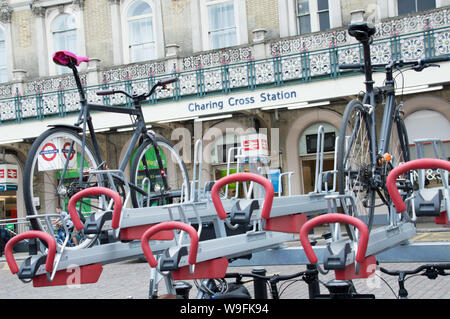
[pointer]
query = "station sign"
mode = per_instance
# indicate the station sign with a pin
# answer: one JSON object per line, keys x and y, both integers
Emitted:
{"x": 9, "y": 175}
{"x": 54, "y": 154}
{"x": 255, "y": 145}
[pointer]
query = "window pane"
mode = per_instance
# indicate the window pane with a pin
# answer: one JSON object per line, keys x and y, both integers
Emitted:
{"x": 139, "y": 8}
{"x": 2, "y": 54}
{"x": 322, "y": 5}
{"x": 221, "y": 16}
{"x": 424, "y": 5}
{"x": 223, "y": 38}
{"x": 406, "y": 6}
{"x": 64, "y": 37}
{"x": 65, "y": 41}
{"x": 222, "y": 26}
{"x": 324, "y": 20}
{"x": 304, "y": 23}
{"x": 3, "y": 70}
{"x": 141, "y": 31}
{"x": 3, "y": 76}
{"x": 64, "y": 22}
{"x": 302, "y": 7}
{"x": 142, "y": 52}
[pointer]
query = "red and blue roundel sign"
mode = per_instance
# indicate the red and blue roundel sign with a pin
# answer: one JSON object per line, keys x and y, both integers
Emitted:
{"x": 49, "y": 152}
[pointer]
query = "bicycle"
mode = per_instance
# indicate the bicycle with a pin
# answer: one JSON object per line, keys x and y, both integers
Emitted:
{"x": 62, "y": 162}
{"x": 62, "y": 234}
{"x": 363, "y": 160}
{"x": 431, "y": 271}
{"x": 222, "y": 289}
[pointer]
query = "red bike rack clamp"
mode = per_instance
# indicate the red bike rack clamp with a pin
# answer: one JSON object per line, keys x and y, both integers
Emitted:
{"x": 335, "y": 218}
{"x": 95, "y": 191}
{"x": 51, "y": 242}
{"x": 422, "y": 163}
{"x": 243, "y": 177}
{"x": 170, "y": 225}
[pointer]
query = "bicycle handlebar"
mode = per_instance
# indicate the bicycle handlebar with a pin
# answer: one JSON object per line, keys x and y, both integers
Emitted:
{"x": 243, "y": 177}
{"x": 400, "y": 63}
{"x": 95, "y": 191}
{"x": 168, "y": 81}
{"x": 334, "y": 218}
{"x": 423, "y": 163}
{"x": 169, "y": 226}
{"x": 142, "y": 96}
{"x": 51, "y": 242}
{"x": 435, "y": 59}
{"x": 417, "y": 270}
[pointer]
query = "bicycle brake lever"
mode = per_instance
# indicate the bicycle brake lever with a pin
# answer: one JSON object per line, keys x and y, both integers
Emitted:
{"x": 421, "y": 67}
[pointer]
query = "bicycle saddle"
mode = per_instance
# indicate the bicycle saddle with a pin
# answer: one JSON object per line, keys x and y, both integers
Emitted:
{"x": 362, "y": 30}
{"x": 66, "y": 58}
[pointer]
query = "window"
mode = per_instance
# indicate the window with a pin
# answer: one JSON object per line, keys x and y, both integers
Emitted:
{"x": 3, "y": 64}
{"x": 221, "y": 149}
{"x": 324, "y": 14}
{"x": 303, "y": 16}
{"x": 64, "y": 32}
{"x": 412, "y": 6}
{"x": 222, "y": 29}
{"x": 313, "y": 15}
{"x": 141, "y": 32}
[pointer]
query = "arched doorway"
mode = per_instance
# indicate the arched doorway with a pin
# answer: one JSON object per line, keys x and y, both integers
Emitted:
{"x": 308, "y": 152}
{"x": 291, "y": 145}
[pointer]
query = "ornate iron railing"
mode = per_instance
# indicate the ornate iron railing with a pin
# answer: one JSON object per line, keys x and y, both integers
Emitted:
{"x": 290, "y": 63}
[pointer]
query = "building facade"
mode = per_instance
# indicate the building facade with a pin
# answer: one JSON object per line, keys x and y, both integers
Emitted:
{"x": 266, "y": 65}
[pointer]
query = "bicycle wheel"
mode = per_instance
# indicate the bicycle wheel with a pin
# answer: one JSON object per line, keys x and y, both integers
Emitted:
{"x": 44, "y": 185}
{"x": 399, "y": 153}
{"x": 146, "y": 175}
{"x": 355, "y": 160}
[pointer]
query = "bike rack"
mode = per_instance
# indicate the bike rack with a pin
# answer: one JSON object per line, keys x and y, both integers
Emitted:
{"x": 271, "y": 227}
{"x": 432, "y": 201}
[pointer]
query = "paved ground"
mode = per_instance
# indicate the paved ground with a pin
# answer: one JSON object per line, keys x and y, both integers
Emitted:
{"x": 130, "y": 280}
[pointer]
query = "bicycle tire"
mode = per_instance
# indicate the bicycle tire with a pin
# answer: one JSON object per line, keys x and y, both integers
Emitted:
{"x": 40, "y": 181}
{"x": 176, "y": 180}
{"x": 399, "y": 153}
{"x": 355, "y": 162}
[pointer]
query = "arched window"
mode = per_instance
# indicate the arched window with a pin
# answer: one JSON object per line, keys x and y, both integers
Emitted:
{"x": 141, "y": 32}
{"x": 64, "y": 31}
{"x": 427, "y": 124}
{"x": 3, "y": 64}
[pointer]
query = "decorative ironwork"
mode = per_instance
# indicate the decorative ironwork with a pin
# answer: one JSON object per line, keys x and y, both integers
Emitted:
{"x": 298, "y": 59}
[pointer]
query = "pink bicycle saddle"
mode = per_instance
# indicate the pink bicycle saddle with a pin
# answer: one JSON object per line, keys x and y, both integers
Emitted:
{"x": 65, "y": 57}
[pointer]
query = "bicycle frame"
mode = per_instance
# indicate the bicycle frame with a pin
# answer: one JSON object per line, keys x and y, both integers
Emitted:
{"x": 84, "y": 119}
{"x": 381, "y": 144}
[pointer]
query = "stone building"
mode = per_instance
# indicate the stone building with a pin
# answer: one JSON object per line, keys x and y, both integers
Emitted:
{"x": 269, "y": 64}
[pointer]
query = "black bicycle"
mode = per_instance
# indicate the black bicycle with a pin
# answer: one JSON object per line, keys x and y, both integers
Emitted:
{"x": 431, "y": 271}
{"x": 61, "y": 161}
{"x": 364, "y": 158}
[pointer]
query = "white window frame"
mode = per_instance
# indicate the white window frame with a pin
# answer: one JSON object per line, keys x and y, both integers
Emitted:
{"x": 157, "y": 29}
{"x": 240, "y": 18}
{"x": 287, "y": 10}
{"x": 51, "y": 15}
{"x": 389, "y": 8}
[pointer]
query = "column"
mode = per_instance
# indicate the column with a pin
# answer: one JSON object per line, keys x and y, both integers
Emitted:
{"x": 41, "y": 39}
{"x": 116, "y": 25}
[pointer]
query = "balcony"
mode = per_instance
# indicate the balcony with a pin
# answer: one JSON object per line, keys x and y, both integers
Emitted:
{"x": 264, "y": 63}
